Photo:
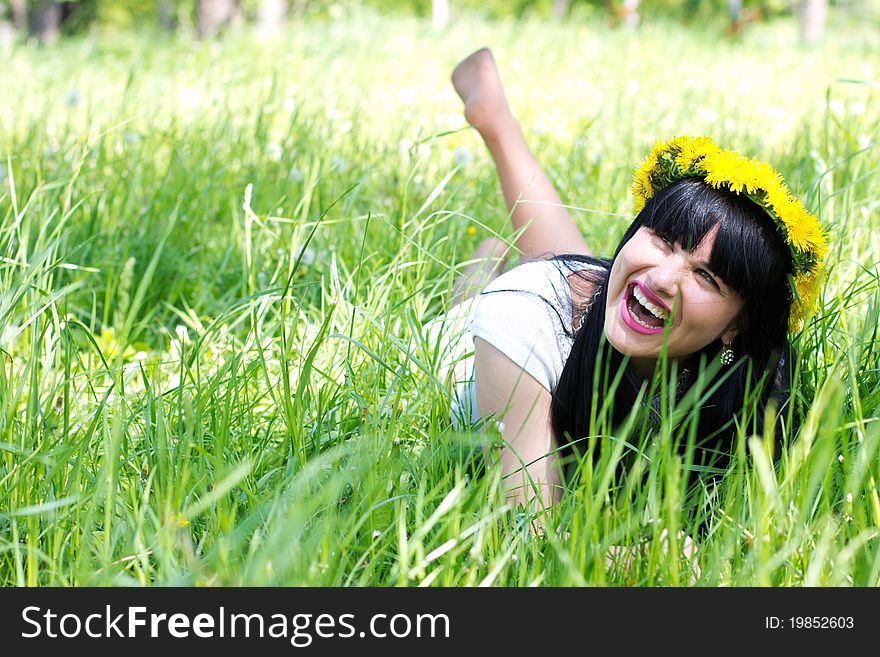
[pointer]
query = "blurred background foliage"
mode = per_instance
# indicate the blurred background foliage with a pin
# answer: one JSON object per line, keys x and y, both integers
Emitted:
{"x": 48, "y": 19}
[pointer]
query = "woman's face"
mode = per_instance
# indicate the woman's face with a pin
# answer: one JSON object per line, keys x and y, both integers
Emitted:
{"x": 679, "y": 287}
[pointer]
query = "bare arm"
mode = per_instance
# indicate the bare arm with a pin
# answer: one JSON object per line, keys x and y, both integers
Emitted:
{"x": 515, "y": 398}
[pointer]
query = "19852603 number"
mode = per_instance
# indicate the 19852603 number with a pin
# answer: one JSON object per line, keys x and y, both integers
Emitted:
{"x": 821, "y": 622}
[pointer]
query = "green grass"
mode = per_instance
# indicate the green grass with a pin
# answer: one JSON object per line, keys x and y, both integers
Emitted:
{"x": 217, "y": 259}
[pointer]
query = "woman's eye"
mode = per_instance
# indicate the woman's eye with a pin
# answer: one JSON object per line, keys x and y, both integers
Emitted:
{"x": 665, "y": 240}
{"x": 706, "y": 275}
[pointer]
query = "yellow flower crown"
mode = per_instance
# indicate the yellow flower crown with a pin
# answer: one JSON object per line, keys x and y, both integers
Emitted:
{"x": 685, "y": 157}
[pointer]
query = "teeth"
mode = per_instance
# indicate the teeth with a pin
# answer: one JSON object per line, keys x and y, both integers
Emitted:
{"x": 657, "y": 312}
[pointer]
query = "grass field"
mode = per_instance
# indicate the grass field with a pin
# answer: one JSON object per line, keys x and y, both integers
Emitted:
{"x": 217, "y": 259}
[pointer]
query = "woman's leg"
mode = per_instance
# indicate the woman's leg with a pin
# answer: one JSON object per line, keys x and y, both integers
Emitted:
{"x": 529, "y": 194}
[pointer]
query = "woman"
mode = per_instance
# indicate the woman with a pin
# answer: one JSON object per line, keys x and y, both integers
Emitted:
{"x": 719, "y": 265}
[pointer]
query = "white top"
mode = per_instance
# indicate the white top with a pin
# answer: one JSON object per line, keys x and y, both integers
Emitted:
{"x": 526, "y": 314}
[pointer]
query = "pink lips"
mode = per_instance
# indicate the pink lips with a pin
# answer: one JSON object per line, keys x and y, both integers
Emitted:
{"x": 627, "y": 317}
{"x": 653, "y": 298}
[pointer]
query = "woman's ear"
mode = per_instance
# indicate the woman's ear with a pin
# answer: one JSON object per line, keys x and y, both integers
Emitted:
{"x": 728, "y": 336}
{"x": 739, "y": 324}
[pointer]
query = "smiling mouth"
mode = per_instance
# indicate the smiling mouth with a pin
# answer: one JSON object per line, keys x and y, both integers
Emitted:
{"x": 642, "y": 312}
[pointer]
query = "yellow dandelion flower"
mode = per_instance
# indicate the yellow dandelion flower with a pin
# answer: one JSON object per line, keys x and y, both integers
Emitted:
{"x": 766, "y": 177}
{"x": 643, "y": 189}
{"x": 693, "y": 149}
{"x": 723, "y": 168}
{"x": 179, "y": 521}
{"x": 471, "y": 230}
{"x": 799, "y": 234}
{"x": 815, "y": 237}
{"x": 786, "y": 208}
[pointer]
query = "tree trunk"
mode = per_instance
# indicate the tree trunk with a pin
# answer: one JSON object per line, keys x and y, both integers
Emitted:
{"x": 300, "y": 7}
{"x": 560, "y": 9}
{"x": 270, "y": 17}
{"x": 440, "y": 14}
{"x": 631, "y": 14}
{"x": 167, "y": 15}
{"x": 19, "y": 14}
{"x": 7, "y": 31}
{"x": 47, "y": 20}
{"x": 812, "y": 15}
{"x": 213, "y": 15}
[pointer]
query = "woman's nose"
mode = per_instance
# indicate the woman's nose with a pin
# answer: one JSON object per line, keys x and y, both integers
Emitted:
{"x": 664, "y": 280}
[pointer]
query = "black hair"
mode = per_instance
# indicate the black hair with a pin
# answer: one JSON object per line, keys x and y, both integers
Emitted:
{"x": 751, "y": 257}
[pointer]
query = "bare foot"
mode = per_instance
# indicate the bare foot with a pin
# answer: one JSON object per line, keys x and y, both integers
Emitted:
{"x": 478, "y": 84}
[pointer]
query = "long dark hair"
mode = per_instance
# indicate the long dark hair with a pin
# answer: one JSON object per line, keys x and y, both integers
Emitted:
{"x": 751, "y": 257}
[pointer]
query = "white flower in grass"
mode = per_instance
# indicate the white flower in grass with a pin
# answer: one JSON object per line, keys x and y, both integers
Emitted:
{"x": 288, "y": 105}
{"x": 462, "y": 156}
{"x": 10, "y": 332}
{"x": 708, "y": 115}
{"x": 864, "y": 141}
{"x": 182, "y": 334}
{"x": 840, "y": 458}
{"x": 306, "y": 256}
{"x": 338, "y": 163}
{"x": 189, "y": 97}
{"x": 406, "y": 96}
{"x": 72, "y": 98}
{"x": 776, "y": 113}
{"x": 857, "y": 108}
{"x": 837, "y": 107}
{"x": 274, "y": 151}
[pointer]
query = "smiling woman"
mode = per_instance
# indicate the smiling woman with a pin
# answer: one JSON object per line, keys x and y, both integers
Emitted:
{"x": 719, "y": 265}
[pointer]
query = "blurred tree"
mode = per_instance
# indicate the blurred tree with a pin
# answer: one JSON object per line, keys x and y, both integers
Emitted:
{"x": 167, "y": 15}
{"x": 19, "y": 14}
{"x": 812, "y": 15}
{"x": 214, "y": 15}
{"x": 560, "y": 8}
{"x": 270, "y": 17}
{"x": 7, "y": 31}
{"x": 440, "y": 14}
{"x": 46, "y": 20}
{"x": 631, "y": 16}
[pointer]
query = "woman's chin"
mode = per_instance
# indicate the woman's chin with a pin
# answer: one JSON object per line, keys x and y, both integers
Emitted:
{"x": 625, "y": 340}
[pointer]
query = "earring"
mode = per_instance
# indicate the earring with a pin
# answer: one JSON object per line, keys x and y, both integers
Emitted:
{"x": 726, "y": 355}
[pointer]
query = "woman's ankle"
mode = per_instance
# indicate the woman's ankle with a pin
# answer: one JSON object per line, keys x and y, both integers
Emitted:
{"x": 501, "y": 131}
